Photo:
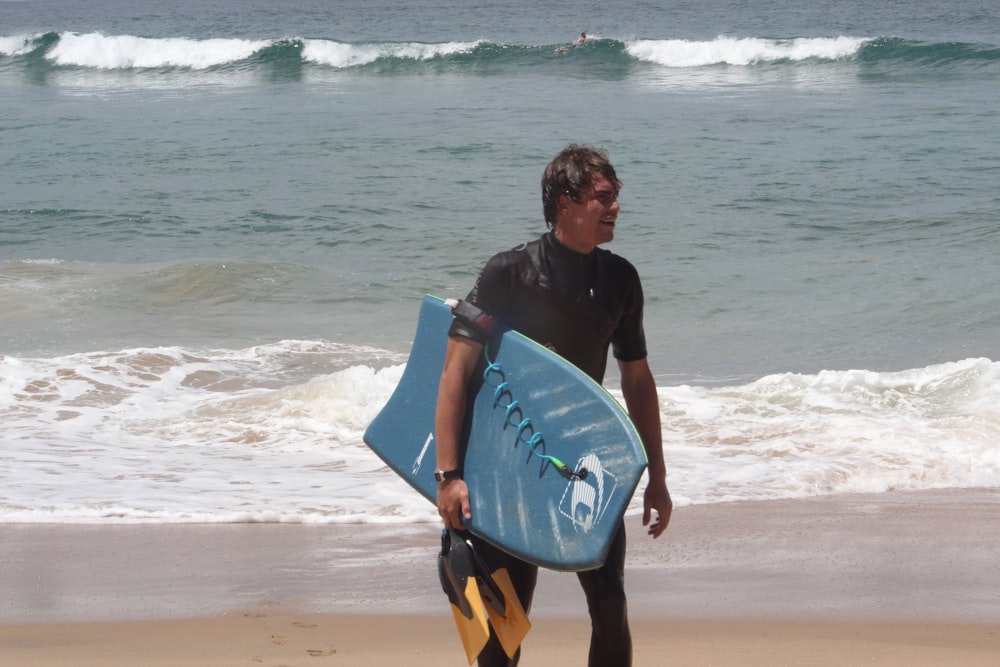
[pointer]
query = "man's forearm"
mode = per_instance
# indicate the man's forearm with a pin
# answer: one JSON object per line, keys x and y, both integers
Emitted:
{"x": 460, "y": 360}
{"x": 643, "y": 404}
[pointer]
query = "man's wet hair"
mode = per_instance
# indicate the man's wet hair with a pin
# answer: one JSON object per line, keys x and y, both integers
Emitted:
{"x": 570, "y": 173}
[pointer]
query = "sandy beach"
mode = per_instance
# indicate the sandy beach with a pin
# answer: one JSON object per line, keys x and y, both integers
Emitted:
{"x": 887, "y": 579}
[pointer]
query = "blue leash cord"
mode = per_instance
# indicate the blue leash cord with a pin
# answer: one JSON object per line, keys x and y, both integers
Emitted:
{"x": 525, "y": 429}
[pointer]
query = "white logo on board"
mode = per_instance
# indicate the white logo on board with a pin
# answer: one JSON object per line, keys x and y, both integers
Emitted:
{"x": 420, "y": 457}
{"x": 585, "y": 500}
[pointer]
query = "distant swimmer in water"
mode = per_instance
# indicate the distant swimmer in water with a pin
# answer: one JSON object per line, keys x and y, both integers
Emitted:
{"x": 579, "y": 42}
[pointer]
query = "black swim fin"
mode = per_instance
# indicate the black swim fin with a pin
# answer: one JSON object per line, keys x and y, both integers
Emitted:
{"x": 457, "y": 570}
{"x": 478, "y": 587}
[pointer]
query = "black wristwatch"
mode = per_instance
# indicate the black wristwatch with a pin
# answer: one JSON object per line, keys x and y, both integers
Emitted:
{"x": 443, "y": 476}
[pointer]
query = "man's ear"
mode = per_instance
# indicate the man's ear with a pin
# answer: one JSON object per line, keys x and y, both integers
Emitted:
{"x": 562, "y": 200}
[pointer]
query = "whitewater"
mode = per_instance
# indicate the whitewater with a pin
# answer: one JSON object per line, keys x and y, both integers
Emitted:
{"x": 175, "y": 436}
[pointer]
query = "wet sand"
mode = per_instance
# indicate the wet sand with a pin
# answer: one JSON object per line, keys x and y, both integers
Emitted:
{"x": 889, "y": 579}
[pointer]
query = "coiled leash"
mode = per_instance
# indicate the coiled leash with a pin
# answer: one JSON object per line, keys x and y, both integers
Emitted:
{"x": 503, "y": 397}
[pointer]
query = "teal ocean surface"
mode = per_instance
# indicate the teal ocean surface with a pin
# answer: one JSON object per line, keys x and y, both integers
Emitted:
{"x": 217, "y": 220}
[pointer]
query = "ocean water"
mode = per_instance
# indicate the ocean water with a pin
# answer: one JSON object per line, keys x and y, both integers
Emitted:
{"x": 217, "y": 219}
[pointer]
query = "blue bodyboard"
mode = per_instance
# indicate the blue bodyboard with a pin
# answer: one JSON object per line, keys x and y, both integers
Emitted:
{"x": 533, "y": 405}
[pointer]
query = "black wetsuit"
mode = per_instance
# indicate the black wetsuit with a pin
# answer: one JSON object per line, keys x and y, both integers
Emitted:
{"x": 578, "y": 305}
{"x": 575, "y": 304}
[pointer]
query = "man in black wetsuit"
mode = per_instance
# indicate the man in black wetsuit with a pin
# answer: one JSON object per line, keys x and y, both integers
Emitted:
{"x": 567, "y": 294}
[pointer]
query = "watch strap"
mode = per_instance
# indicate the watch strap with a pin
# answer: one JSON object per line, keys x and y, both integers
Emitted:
{"x": 443, "y": 476}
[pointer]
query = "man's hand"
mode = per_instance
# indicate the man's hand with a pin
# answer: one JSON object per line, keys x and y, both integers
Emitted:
{"x": 453, "y": 504}
{"x": 657, "y": 498}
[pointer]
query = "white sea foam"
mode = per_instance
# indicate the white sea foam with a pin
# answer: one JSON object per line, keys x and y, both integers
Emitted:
{"x": 128, "y": 52}
{"x": 96, "y": 50}
{"x": 340, "y": 55}
{"x": 741, "y": 51}
{"x": 853, "y": 431}
{"x": 175, "y": 436}
{"x": 16, "y": 45}
{"x": 274, "y": 433}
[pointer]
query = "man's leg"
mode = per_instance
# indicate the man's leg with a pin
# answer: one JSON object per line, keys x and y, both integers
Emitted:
{"x": 610, "y": 639}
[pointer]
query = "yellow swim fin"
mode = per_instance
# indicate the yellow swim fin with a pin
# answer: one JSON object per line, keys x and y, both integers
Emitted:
{"x": 457, "y": 570}
{"x": 473, "y": 631}
{"x": 511, "y": 626}
{"x": 507, "y": 616}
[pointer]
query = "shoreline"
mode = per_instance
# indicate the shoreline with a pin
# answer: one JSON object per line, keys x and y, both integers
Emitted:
{"x": 898, "y": 578}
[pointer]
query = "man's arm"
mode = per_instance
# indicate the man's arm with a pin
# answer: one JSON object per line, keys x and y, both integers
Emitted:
{"x": 460, "y": 361}
{"x": 643, "y": 404}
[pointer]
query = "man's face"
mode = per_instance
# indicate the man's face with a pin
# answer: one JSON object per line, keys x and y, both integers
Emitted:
{"x": 586, "y": 224}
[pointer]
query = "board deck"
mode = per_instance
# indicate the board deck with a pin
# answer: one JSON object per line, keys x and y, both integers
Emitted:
{"x": 532, "y": 402}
